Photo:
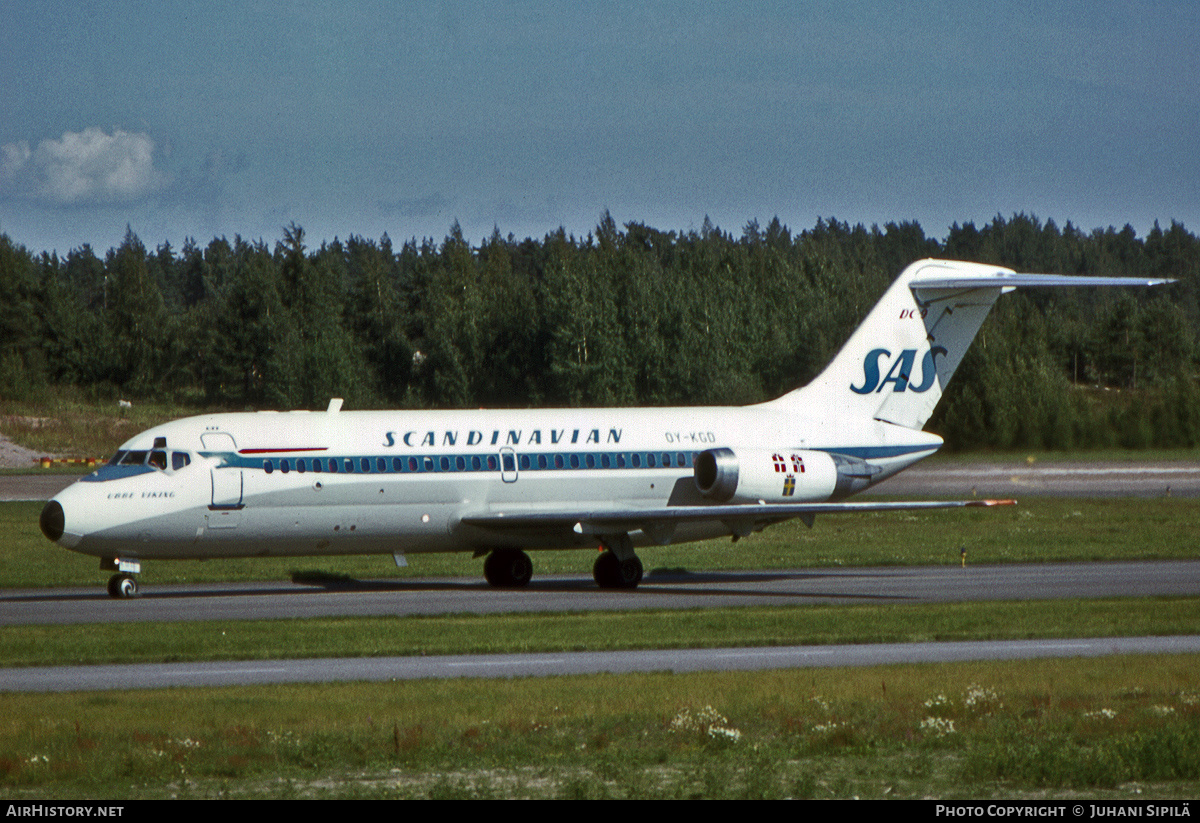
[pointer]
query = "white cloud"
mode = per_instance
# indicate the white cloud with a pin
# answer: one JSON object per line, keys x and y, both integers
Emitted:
{"x": 82, "y": 168}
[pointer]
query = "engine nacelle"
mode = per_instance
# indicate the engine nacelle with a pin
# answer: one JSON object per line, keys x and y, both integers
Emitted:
{"x": 781, "y": 476}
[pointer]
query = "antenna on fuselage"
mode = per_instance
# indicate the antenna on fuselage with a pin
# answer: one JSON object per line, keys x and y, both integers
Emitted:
{"x": 335, "y": 405}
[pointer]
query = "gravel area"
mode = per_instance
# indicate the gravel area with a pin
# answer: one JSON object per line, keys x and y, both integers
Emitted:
{"x": 13, "y": 456}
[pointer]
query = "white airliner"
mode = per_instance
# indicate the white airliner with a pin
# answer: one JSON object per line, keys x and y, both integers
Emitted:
{"x": 274, "y": 484}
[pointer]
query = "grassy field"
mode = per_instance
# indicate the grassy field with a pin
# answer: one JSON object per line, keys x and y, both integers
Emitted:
{"x": 1114, "y": 728}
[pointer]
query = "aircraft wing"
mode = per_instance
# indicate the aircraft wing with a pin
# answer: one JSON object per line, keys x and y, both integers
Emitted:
{"x": 659, "y": 523}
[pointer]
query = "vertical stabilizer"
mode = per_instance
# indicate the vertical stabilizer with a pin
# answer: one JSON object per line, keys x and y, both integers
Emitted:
{"x": 896, "y": 364}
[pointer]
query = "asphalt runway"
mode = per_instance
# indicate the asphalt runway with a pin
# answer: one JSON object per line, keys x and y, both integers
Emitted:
{"x": 376, "y": 669}
{"x": 950, "y": 479}
{"x": 575, "y": 593}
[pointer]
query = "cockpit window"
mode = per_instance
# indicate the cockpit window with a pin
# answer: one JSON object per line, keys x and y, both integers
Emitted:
{"x": 132, "y": 458}
{"x": 179, "y": 460}
{"x": 116, "y": 458}
{"x": 158, "y": 460}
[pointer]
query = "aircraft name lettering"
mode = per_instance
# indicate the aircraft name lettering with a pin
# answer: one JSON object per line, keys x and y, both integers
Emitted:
{"x": 900, "y": 372}
{"x": 501, "y": 437}
{"x": 142, "y": 495}
{"x": 691, "y": 437}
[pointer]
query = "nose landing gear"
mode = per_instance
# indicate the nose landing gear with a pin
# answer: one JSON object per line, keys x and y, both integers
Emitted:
{"x": 122, "y": 585}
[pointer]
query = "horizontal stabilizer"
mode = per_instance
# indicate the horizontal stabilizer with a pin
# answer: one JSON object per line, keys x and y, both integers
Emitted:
{"x": 1007, "y": 280}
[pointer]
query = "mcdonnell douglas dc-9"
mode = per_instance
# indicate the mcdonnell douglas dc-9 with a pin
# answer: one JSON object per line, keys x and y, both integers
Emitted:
{"x": 499, "y": 483}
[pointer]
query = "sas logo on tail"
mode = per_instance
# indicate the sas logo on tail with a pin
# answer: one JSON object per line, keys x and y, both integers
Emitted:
{"x": 900, "y": 372}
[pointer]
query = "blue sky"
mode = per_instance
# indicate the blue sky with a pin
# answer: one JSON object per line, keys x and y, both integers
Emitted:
{"x": 201, "y": 120}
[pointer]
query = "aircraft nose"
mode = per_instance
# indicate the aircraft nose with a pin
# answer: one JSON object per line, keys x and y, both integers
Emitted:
{"x": 53, "y": 521}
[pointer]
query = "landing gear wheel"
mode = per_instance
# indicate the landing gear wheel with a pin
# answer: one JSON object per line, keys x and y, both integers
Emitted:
{"x": 611, "y": 573}
{"x": 122, "y": 586}
{"x": 508, "y": 568}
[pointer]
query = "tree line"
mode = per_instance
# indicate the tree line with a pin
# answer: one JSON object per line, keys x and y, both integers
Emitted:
{"x": 626, "y": 315}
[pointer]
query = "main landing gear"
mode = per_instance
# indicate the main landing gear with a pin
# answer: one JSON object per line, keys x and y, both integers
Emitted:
{"x": 508, "y": 568}
{"x": 613, "y": 573}
{"x": 617, "y": 567}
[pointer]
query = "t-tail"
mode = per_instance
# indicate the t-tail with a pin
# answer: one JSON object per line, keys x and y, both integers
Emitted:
{"x": 896, "y": 365}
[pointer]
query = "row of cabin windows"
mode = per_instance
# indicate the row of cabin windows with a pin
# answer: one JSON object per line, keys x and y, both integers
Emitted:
{"x": 487, "y": 462}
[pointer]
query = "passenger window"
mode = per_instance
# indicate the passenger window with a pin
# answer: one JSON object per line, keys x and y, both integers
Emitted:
{"x": 285, "y": 466}
{"x": 300, "y": 465}
{"x": 268, "y": 466}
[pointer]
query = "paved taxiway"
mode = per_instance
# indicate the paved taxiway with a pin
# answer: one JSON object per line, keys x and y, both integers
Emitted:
{"x": 326, "y": 670}
{"x": 577, "y": 593}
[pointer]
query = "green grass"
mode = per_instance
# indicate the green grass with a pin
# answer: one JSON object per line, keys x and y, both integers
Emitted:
{"x": 593, "y": 631}
{"x": 1124, "y": 727}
